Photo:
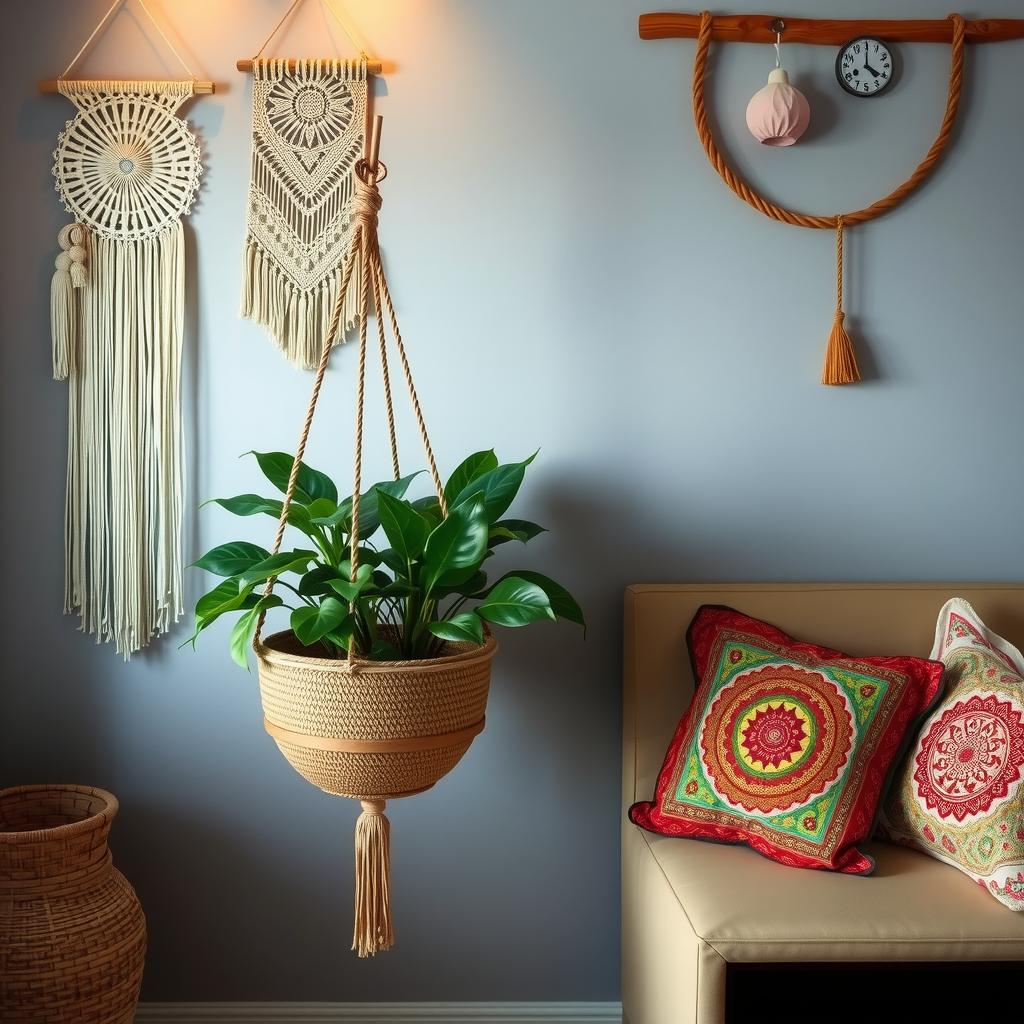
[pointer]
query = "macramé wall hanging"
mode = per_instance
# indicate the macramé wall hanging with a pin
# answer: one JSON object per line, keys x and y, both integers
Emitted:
{"x": 127, "y": 169}
{"x": 840, "y": 360}
{"x": 308, "y": 128}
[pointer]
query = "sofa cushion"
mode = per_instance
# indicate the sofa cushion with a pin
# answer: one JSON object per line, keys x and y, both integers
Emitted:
{"x": 750, "y": 909}
{"x": 787, "y": 745}
{"x": 959, "y": 795}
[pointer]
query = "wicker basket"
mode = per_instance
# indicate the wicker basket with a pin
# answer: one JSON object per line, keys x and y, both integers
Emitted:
{"x": 72, "y": 933}
{"x": 381, "y": 730}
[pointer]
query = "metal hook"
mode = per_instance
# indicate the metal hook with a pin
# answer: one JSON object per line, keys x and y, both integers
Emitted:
{"x": 778, "y": 26}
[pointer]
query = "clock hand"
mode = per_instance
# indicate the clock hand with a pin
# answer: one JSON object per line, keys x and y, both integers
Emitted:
{"x": 868, "y": 67}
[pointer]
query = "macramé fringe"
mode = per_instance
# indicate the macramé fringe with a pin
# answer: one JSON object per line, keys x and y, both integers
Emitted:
{"x": 125, "y": 484}
{"x": 297, "y": 320}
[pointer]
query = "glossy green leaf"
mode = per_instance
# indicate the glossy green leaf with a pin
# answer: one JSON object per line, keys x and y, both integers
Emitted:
{"x": 320, "y": 510}
{"x": 342, "y": 636}
{"x": 498, "y": 487}
{"x": 405, "y": 529}
{"x": 225, "y": 597}
{"x": 563, "y": 604}
{"x": 315, "y": 582}
{"x": 232, "y": 558}
{"x": 249, "y": 505}
{"x": 245, "y": 627}
{"x": 344, "y": 585}
{"x": 253, "y": 504}
{"x": 465, "y": 627}
{"x": 381, "y": 650}
{"x": 515, "y": 602}
{"x": 369, "y": 518}
{"x": 310, "y": 485}
{"x": 521, "y": 530}
{"x": 470, "y": 469}
{"x": 467, "y": 582}
{"x": 395, "y": 562}
{"x": 459, "y": 542}
{"x": 311, "y": 624}
{"x": 430, "y": 508}
{"x": 277, "y": 565}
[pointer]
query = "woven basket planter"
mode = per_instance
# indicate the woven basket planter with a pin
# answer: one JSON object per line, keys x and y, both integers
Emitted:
{"x": 72, "y": 933}
{"x": 378, "y": 730}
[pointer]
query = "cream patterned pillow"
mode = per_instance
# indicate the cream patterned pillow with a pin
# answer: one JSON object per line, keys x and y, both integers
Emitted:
{"x": 959, "y": 795}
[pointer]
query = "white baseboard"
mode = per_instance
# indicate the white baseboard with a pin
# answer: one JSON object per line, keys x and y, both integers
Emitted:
{"x": 379, "y": 1013}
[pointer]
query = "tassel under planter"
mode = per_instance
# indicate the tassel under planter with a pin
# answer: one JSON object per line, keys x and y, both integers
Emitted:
{"x": 372, "y": 930}
{"x": 840, "y": 357}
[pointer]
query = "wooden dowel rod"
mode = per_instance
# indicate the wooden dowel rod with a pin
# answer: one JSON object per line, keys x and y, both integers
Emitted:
{"x": 756, "y": 28}
{"x": 373, "y": 67}
{"x": 200, "y": 88}
{"x": 373, "y": 154}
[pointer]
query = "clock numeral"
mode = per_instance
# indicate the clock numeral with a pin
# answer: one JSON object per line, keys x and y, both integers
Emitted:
{"x": 856, "y": 47}
{"x": 849, "y": 77}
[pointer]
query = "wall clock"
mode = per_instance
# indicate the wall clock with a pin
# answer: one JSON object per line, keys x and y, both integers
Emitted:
{"x": 864, "y": 66}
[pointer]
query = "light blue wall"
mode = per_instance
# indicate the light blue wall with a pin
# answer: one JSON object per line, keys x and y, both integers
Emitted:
{"x": 570, "y": 274}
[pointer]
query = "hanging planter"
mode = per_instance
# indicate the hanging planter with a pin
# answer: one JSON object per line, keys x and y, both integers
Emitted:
{"x": 383, "y": 730}
{"x": 380, "y": 685}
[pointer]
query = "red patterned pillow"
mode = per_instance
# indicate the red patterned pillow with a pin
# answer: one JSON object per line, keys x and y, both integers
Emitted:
{"x": 959, "y": 794}
{"x": 786, "y": 746}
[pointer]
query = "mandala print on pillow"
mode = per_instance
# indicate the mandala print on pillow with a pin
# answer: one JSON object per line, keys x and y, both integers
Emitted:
{"x": 786, "y": 746}
{"x": 960, "y": 793}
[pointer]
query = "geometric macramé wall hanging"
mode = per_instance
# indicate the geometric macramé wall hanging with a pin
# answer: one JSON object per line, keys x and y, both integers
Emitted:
{"x": 127, "y": 169}
{"x": 308, "y": 132}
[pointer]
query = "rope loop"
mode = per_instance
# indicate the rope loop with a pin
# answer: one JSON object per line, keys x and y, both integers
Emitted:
{"x": 782, "y": 213}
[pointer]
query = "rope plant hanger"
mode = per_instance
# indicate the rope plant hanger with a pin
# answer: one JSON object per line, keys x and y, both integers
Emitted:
{"x": 308, "y": 120}
{"x": 370, "y": 730}
{"x": 840, "y": 359}
{"x": 127, "y": 169}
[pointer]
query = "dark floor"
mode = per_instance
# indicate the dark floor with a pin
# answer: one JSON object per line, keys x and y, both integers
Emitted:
{"x": 874, "y": 993}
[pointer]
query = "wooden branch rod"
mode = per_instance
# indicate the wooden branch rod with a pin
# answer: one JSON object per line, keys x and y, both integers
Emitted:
{"x": 373, "y": 67}
{"x": 200, "y": 88}
{"x": 757, "y": 28}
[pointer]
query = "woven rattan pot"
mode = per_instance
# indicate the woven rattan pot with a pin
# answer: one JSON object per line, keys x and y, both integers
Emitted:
{"x": 72, "y": 933}
{"x": 378, "y": 730}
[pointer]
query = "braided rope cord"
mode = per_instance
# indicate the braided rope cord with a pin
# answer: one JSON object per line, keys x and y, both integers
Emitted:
{"x": 364, "y": 251}
{"x": 836, "y": 221}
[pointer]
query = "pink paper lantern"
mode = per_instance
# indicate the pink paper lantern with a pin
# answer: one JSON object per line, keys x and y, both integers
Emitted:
{"x": 778, "y": 114}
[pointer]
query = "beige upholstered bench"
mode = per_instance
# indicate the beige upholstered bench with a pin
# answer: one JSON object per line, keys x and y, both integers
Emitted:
{"x": 690, "y": 909}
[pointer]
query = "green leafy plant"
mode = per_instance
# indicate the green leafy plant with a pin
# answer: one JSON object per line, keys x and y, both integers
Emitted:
{"x": 419, "y": 581}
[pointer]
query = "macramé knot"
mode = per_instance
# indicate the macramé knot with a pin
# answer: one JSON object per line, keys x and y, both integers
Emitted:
{"x": 366, "y": 203}
{"x": 71, "y": 259}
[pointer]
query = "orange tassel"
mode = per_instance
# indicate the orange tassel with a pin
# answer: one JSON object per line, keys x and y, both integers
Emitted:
{"x": 840, "y": 358}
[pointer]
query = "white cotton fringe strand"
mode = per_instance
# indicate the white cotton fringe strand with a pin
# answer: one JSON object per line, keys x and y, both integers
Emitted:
{"x": 125, "y": 478}
{"x": 297, "y": 320}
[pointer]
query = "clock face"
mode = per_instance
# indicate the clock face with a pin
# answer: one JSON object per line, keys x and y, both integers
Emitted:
{"x": 864, "y": 66}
